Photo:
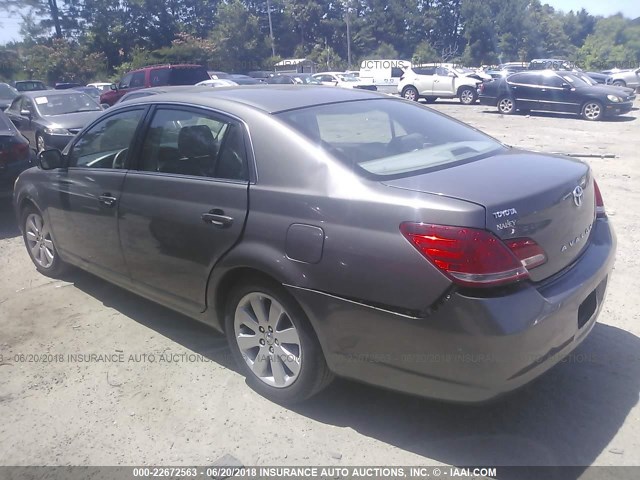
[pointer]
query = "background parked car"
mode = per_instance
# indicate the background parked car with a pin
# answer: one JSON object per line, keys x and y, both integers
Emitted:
{"x": 7, "y": 94}
{"x": 553, "y": 91}
{"x": 102, "y": 86}
{"x": 155, "y": 76}
{"x": 50, "y": 119}
{"x": 214, "y": 74}
{"x": 433, "y": 82}
{"x": 243, "y": 79}
{"x": 293, "y": 79}
{"x": 343, "y": 80}
{"x": 66, "y": 85}
{"x": 93, "y": 92}
{"x": 626, "y": 78}
{"x": 15, "y": 155}
{"x": 29, "y": 85}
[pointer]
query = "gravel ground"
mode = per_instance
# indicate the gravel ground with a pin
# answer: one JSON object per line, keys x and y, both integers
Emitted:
{"x": 124, "y": 406}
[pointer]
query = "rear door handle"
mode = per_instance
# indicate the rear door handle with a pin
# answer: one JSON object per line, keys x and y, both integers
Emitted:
{"x": 217, "y": 218}
{"x": 107, "y": 199}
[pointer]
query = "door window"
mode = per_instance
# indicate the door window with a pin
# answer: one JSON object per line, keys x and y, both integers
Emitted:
{"x": 187, "y": 142}
{"x": 137, "y": 80}
{"x": 425, "y": 71}
{"x": 443, "y": 72}
{"x": 552, "y": 81}
{"x": 159, "y": 77}
{"x": 106, "y": 144}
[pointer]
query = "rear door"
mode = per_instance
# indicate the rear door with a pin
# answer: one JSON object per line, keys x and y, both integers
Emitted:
{"x": 185, "y": 204}
{"x": 423, "y": 80}
{"x": 525, "y": 89}
{"x": 84, "y": 198}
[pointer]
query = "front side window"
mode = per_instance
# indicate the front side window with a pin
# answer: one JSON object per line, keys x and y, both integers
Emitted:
{"x": 137, "y": 80}
{"x": 188, "y": 142}
{"x": 124, "y": 83}
{"x": 159, "y": 77}
{"x": 389, "y": 138}
{"x": 552, "y": 81}
{"x": 106, "y": 144}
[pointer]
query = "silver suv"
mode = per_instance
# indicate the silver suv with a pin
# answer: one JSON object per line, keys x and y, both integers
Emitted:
{"x": 432, "y": 83}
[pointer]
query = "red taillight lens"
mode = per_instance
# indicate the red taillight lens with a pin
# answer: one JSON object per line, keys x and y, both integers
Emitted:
{"x": 14, "y": 151}
{"x": 600, "y": 211}
{"x": 473, "y": 257}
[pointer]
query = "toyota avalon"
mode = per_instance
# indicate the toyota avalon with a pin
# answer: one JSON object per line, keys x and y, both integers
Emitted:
{"x": 331, "y": 232}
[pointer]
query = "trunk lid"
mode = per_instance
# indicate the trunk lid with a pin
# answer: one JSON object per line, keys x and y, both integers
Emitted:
{"x": 549, "y": 199}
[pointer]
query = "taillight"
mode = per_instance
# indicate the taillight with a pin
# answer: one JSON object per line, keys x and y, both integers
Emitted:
{"x": 14, "y": 151}
{"x": 474, "y": 257}
{"x": 600, "y": 211}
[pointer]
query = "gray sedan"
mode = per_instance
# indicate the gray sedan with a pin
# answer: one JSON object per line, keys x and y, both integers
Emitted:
{"x": 332, "y": 232}
{"x": 49, "y": 119}
{"x": 626, "y": 78}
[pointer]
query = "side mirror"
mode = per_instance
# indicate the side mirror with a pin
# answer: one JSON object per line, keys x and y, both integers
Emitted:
{"x": 105, "y": 105}
{"x": 113, "y": 86}
{"x": 452, "y": 75}
{"x": 566, "y": 86}
{"x": 51, "y": 159}
{"x": 25, "y": 113}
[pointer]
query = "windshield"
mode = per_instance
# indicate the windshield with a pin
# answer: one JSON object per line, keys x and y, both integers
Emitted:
{"x": 50, "y": 105}
{"x": 576, "y": 79}
{"x": 388, "y": 137}
{"x": 7, "y": 91}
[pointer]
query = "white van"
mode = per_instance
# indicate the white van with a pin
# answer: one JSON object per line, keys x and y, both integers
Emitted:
{"x": 384, "y": 74}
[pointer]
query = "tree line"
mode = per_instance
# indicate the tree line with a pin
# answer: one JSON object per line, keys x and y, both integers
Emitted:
{"x": 80, "y": 40}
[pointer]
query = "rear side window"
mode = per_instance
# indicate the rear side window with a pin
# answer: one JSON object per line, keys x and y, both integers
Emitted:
{"x": 396, "y": 72}
{"x": 187, "y": 76}
{"x": 187, "y": 142}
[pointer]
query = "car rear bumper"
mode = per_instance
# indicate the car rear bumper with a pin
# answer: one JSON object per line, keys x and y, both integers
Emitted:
{"x": 468, "y": 348}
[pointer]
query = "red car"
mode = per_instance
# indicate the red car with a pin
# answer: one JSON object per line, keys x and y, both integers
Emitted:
{"x": 155, "y": 76}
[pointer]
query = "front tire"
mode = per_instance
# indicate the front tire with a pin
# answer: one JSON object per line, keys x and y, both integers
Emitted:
{"x": 467, "y": 95}
{"x": 273, "y": 343}
{"x": 410, "y": 93}
{"x": 506, "y": 105}
{"x": 592, "y": 111}
{"x": 36, "y": 234}
{"x": 619, "y": 83}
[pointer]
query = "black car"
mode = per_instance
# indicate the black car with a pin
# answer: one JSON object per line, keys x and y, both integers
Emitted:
{"x": 15, "y": 155}
{"x": 553, "y": 91}
{"x": 29, "y": 85}
{"x": 600, "y": 78}
{"x": 50, "y": 119}
{"x": 244, "y": 79}
{"x": 7, "y": 95}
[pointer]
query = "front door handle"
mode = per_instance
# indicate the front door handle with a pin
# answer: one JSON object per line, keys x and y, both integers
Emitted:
{"x": 217, "y": 218}
{"x": 107, "y": 199}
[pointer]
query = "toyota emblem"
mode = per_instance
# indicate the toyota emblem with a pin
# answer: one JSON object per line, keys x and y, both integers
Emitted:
{"x": 578, "y": 193}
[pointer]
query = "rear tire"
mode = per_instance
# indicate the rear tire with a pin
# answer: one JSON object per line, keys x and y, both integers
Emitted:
{"x": 410, "y": 93}
{"x": 274, "y": 344}
{"x": 592, "y": 111}
{"x": 506, "y": 105}
{"x": 467, "y": 95}
{"x": 619, "y": 83}
{"x": 37, "y": 237}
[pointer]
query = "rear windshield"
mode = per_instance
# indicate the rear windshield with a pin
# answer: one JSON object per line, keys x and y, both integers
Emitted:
{"x": 389, "y": 137}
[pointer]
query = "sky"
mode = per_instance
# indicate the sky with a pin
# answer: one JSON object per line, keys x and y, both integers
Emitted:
{"x": 10, "y": 25}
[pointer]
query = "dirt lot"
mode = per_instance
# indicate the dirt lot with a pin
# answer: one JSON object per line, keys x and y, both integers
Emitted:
{"x": 134, "y": 409}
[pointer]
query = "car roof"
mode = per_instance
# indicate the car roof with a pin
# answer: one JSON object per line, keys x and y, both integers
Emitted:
{"x": 268, "y": 98}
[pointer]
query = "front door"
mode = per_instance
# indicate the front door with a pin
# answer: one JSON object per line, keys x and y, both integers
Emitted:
{"x": 424, "y": 80}
{"x": 84, "y": 198}
{"x": 185, "y": 204}
{"x": 443, "y": 83}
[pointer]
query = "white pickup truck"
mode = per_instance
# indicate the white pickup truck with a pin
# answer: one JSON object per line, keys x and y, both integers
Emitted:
{"x": 434, "y": 82}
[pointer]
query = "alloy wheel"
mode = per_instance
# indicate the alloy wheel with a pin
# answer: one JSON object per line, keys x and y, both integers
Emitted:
{"x": 39, "y": 240}
{"x": 592, "y": 111}
{"x": 466, "y": 96}
{"x": 506, "y": 105}
{"x": 268, "y": 340}
{"x": 410, "y": 94}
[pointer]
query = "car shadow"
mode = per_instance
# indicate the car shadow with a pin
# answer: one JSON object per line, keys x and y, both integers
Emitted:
{"x": 616, "y": 119}
{"x": 8, "y": 223}
{"x": 568, "y": 417}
